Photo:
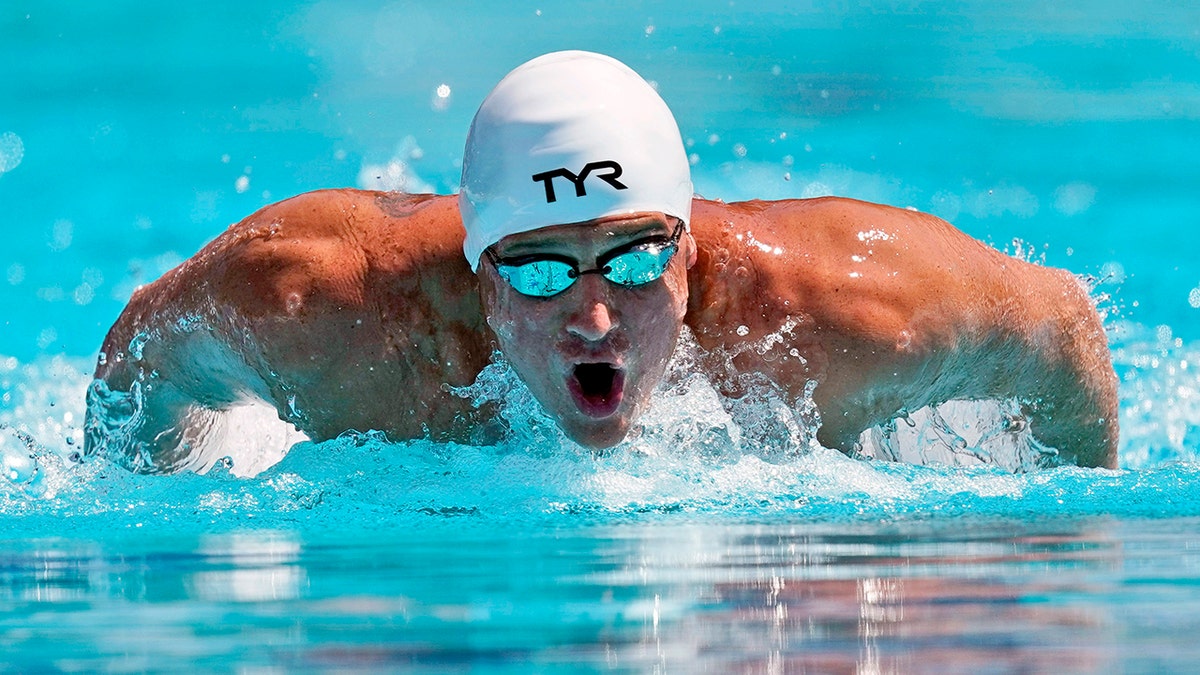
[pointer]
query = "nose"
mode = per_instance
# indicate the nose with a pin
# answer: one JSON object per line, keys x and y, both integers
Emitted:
{"x": 593, "y": 319}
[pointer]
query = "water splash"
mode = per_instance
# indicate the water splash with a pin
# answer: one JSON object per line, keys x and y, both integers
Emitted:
{"x": 1159, "y": 398}
{"x": 961, "y": 433}
{"x": 696, "y": 452}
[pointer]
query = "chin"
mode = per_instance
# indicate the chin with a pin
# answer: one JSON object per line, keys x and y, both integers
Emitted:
{"x": 597, "y": 434}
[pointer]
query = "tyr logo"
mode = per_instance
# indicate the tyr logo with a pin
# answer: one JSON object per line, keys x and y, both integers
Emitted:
{"x": 614, "y": 172}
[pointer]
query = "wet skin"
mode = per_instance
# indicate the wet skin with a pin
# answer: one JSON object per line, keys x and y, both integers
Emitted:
{"x": 350, "y": 309}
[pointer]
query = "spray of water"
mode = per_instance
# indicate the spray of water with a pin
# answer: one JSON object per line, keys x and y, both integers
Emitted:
{"x": 695, "y": 450}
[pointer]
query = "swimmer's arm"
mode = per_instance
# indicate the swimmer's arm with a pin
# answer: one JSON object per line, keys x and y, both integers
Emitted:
{"x": 938, "y": 316}
{"x": 162, "y": 380}
{"x": 188, "y": 345}
{"x": 1014, "y": 330}
{"x": 1032, "y": 334}
{"x": 1068, "y": 381}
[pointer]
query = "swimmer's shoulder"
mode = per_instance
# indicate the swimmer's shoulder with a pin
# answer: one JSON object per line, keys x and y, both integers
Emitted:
{"x": 352, "y": 216}
{"x": 823, "y": 224}
{"x": 783, "y": 215}
{"x": 331, "y": 250}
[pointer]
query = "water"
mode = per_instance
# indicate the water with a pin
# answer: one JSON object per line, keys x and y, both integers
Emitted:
{"x": 131, "y": 133}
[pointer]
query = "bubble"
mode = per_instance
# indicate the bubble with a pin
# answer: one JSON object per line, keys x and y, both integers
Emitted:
{"x": 242, "y": 184}
{"x": 441, "y": 97}
{"x": 50, "y": 293}
{"x": 397, "y": 174}
{"x": 12, "y": 151}
{"x": 61, "y": 235}
{"x": 1194, "y": 297}
{"x": 816, "y": 189}
{"x": 739, "y": 149}
{"x": 84, "y": 294}
{"x": 1112, "y": 272}
{"x": 1074, "y": 198}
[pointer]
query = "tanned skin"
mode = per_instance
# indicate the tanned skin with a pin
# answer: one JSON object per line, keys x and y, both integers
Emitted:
{"x": 350, "y": 309}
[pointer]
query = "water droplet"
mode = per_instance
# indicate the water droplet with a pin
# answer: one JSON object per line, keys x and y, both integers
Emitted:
{"x": 743, "y": 331}
{"x": 441, "y": 97}
{"x": 12, "y": 151}
{"x": 137, "y": 344}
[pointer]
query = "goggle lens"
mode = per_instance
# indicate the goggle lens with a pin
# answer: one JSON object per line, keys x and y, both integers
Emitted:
{"x": 540, "y": 279}
{"x": 634, "y": 268}
{"x": 549, "y": 277}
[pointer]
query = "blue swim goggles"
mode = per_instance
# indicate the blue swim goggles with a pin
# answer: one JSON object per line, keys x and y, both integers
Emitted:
{"x": 542, "y": 275}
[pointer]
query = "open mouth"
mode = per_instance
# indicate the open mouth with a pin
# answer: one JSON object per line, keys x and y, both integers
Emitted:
{"x": 597, "y": 388}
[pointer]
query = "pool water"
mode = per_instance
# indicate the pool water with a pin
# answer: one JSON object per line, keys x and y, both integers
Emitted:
{"x": 721, "y": 539}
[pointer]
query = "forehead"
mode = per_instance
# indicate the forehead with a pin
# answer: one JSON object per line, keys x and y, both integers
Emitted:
{"x": 599, "y": 234}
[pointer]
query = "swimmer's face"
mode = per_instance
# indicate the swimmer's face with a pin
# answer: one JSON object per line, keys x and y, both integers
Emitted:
{"x": 593, "y": 353}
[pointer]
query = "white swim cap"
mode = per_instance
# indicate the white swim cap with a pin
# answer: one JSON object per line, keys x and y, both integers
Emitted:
{"x": 569, "y": 137}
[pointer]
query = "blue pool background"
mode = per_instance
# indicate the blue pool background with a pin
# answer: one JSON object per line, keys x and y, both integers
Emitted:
{"x": 1070, "y": 128}
{"x": 132, "y": 132}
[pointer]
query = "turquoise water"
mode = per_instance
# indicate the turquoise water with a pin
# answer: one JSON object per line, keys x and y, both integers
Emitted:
{"x": 131, "y": 133}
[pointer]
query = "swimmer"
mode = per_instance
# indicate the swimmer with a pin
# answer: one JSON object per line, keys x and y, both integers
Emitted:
{"x": 585, "y": 255}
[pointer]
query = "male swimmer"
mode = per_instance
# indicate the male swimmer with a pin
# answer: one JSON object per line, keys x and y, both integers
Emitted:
{"x": 585, "y": 255}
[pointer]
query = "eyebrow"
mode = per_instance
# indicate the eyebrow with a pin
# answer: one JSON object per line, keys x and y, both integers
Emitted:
{"x": 523, "y": 249}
